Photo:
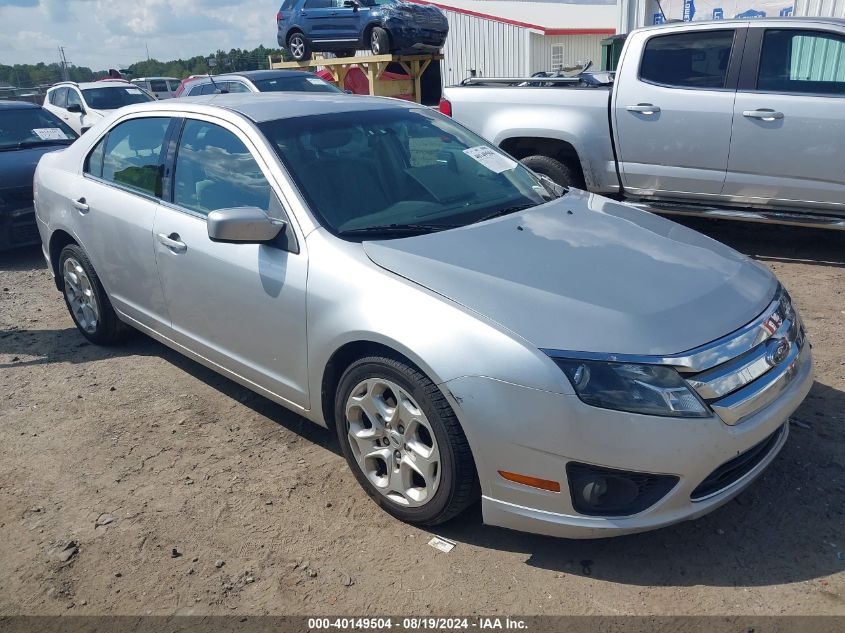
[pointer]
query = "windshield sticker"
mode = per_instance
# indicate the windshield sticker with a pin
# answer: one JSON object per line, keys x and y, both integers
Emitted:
{"x": 50, "y": 134}
{"x": 133, "y": 91}
{"x": 491, "y": 159}
{"x": 314, "y": 80}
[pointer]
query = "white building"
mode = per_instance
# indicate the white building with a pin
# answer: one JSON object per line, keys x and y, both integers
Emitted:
{"x": 516, "y": 38}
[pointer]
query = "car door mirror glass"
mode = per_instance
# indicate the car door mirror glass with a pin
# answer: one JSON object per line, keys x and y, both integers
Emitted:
{"x": 74, "y": 108}
{"x": 246, "y": 225}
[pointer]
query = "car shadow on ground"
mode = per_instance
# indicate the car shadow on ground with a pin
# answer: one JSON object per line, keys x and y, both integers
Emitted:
{"x": 23, "y": 258}
{"x": 773, "y": 243}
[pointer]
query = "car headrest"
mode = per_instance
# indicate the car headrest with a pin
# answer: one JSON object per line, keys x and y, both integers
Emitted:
{"x": 331, "y": 138}
{"x": 139, "y": 142}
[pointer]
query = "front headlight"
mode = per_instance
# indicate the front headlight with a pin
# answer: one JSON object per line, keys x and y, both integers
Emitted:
{"x": 646, "y": 389}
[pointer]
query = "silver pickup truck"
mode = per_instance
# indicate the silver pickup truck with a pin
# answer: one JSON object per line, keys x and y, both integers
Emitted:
{"x": 740, "y": 118}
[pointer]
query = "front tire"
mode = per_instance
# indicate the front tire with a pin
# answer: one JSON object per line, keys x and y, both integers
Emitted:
{"x": 403, "y": 442}
{"x": 379, "y": 41}
{"x": 299, "y": 47}
{"x": 563, "y": 174}
{"x": 86, "y": 300}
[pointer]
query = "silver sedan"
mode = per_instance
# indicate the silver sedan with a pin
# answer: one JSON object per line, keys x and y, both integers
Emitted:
{"x": 470, "y": 329}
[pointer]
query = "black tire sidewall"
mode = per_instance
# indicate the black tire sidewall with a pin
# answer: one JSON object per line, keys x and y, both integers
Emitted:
{"x": 558, "y": 171}
{"x": 382, "y": 368}
{"x": 384, "y": 41}
{"x": 306, "y": 46}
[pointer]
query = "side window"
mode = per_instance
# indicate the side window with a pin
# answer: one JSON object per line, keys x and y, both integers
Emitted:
{"x": 800, "y": 61}
{"x": 73, "y": 98}
{"x": 196, "y": 90}
{"x": 208, "y": 89}
{"x": 318, "y": 4}
{"x": 237, "y": 86}
{"x": 215, "y": 170}
{"x": 94, "y": 162}
{"x": 698, "y": 59}
{"x": 59, "y": 97}
{"x": 158, "y": 86}
{"x": 173, "y": 85}
{"x": 288, "y": 4}
{"x": 133, "y": 154}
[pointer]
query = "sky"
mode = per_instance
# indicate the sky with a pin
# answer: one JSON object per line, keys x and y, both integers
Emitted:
{"x": 105, "y": 34}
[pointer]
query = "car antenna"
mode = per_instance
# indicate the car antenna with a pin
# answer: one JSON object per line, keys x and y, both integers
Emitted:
{"x": 211, "y": 64}
{"x": 660, "y": 8}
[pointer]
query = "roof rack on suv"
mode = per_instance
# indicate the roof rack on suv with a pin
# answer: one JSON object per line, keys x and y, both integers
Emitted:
{"x": 65, "y": 83}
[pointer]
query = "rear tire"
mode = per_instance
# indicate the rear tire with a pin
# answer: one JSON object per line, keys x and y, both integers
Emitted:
{"x": 379, "y": 41}
{"x": 86, "y": 300}
{"x": 299, "y": 47}
{"x": 563, "y": 174}
{"x": 344, "y": 54}
{"x": 403, "y": 442}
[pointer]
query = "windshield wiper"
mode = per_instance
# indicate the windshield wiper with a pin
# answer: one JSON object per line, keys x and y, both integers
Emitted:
{"x": 399, "y": 229}
{"x": 505, "y": 211}
{"x": 28, "y": 144}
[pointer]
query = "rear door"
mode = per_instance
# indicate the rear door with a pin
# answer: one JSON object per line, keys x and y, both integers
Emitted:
{"x": 673, "y": 109}
{"x": 242, "y": 306}
{"x": 346, "y": 20}
{"x": 788, "y": 145}
{"x": 318, "y": 19}
{"x": 116, "y": 206}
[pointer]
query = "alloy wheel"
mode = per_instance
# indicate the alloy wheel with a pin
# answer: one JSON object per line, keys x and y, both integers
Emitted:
{"x": 393, "y": 442}
{"x": 80, "y": 295}
{"x": 297, "y": 46}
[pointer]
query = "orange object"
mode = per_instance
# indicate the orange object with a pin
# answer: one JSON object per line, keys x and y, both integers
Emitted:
{"x": 534, "y": 482}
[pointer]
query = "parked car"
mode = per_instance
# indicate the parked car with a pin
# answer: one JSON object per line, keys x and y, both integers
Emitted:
{"x": 737, "y": 118}
{"x": 27, "y": 132}
{"x": 181, "y": 89}
{"x": 344, "y": 26}
{"x": 81, "y": 105}
{"x": 467, "y": 327}
{"x": 259, "y": 81}
{"x": 159, "y": 87}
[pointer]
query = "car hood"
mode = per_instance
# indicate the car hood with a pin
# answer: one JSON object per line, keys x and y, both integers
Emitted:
{"x": 17, "y": 167}
{"x": 584, "y": 273}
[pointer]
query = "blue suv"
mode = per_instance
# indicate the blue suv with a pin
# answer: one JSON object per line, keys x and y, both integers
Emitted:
{"x": 344, "y": 26}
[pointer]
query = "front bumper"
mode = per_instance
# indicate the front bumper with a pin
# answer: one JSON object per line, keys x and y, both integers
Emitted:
{"x": 18, "y": 228}
{"x": 537, "y": 433}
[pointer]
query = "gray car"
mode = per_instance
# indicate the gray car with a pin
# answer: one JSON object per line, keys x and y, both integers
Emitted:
{"x": 469, "y": 329}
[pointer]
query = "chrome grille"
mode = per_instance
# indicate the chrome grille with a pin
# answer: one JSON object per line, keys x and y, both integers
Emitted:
{"x": 766, "y": 356}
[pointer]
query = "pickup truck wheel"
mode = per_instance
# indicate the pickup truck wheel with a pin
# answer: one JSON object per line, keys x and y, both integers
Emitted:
{"x": 86, "y": 300}
{"x": 379, "y": 41}
{"x": 403, "y": 441}
{"x": 561, "y": 173}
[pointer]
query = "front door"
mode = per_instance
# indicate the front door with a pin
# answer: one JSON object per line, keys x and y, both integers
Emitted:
{"x": 788, "y": 146}
{"x": 242, "y": 306}
{"x": 117, "y": 200}
{"x": 673, "y": 112}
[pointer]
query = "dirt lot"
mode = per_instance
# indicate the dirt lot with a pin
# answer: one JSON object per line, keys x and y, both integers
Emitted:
{"x": 185, "y": 493}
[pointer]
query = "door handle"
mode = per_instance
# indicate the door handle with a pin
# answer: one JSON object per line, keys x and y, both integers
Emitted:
{"x": 173, "y": 242}
{"x": 81, "y": 205}
{"x": 764, "y": 114}
{"x": 643, "y": 108}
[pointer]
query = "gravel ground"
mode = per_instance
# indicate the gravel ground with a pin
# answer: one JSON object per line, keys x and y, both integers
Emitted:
{"x": 135, "y": 481}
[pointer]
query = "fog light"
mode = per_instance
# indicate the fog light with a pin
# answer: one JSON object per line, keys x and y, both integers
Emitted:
{"x": 600, "y": 491}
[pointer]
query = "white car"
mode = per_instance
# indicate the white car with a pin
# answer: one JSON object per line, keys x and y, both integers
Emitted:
{"x": 160, "y": 87}
{"x": 81, "y": 105}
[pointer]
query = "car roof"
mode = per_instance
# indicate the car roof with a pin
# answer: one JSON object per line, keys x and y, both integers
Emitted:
{"x": 253, "y": 75}
{"x": 154, "y": 78}
{"x": 269, "y": 106}
{"x": 85, "y": 85}
{"x": 18, "y": 105}
{"x": 759, "y": 22}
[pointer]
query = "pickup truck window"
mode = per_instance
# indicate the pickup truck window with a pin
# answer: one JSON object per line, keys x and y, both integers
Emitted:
{"x": 688, "y": 60}
{"x": 801, "y": 61}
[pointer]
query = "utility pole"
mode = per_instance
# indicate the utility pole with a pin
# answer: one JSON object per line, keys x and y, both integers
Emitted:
{"x": 147, "y": 46}
{"x": 64, "y": 63}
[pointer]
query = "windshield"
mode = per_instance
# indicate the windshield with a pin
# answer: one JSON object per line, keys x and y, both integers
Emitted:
{"x": 382, "y": 171}
{"x": 305, "y": 83}
{"x": 114, "y": 97}
{"x": 30, "y": 127}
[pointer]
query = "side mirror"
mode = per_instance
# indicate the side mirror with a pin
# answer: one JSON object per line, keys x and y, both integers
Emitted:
{"x": 245, "y": 225}
{"x": 75, "y": 108}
